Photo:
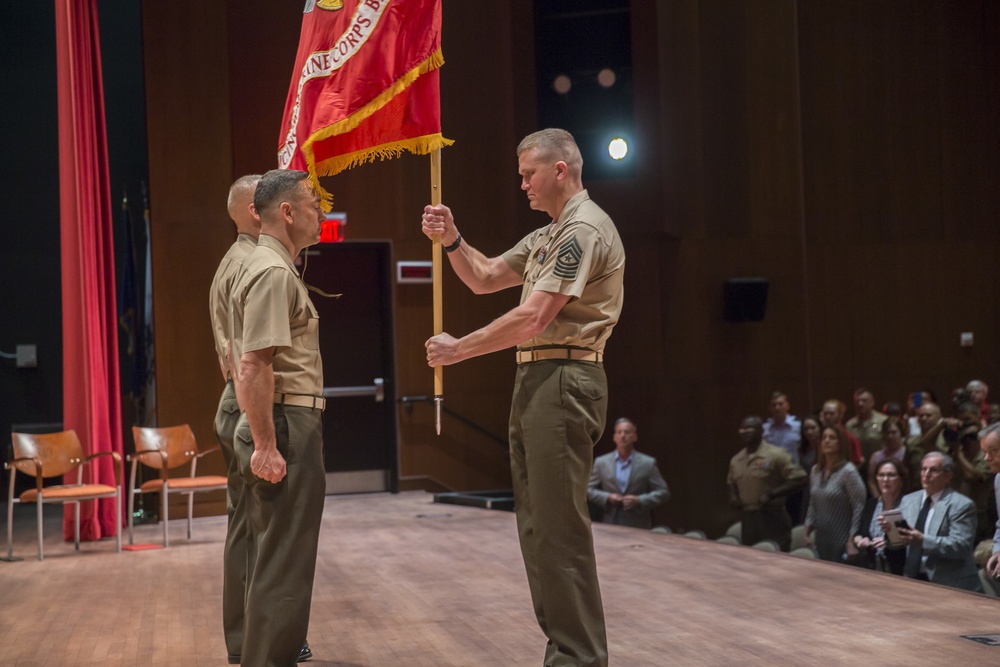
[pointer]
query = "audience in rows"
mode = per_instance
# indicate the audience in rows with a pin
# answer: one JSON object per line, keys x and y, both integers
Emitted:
{"x": 903, "y": 490}
{"x": 937, "y": 472}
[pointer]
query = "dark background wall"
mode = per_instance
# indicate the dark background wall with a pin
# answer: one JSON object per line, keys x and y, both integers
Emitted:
{"x": 846, "y": 151}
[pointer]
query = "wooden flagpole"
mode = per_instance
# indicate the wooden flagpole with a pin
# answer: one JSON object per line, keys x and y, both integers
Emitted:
{"x": 437, "y": 283}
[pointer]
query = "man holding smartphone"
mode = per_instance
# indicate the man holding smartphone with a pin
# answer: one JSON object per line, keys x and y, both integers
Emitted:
{"x": 940, "y": 543}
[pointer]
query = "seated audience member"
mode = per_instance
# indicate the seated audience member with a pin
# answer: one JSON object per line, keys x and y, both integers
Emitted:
{"x": 978, "y": 391}
{"x": 972, "y": 476}
{"x": 832, "y": 414}
{"x": 941, "y": 536}
{"x": 873, "y": 550}
{"x": 760, "y": 476}
{"x": 993, "y": 414}
{"x": 781, "y": 428}
{"x": 892, "y": 448}
{"x": 989, "y": 442}
{"x": 809, "y": 434}
{"x": 625, "y": 483}
{"x": 866, "y": 424}
{"x": 836, "y": 497}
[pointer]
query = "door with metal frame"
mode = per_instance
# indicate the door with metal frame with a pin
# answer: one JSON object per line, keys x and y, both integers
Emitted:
{"x": 360, "y": 436}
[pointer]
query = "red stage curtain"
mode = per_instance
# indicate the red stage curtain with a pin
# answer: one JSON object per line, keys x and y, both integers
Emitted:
{"x": 90, "y": 338}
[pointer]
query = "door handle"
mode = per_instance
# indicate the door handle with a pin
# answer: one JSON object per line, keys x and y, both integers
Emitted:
{"x": 376, "y": 389}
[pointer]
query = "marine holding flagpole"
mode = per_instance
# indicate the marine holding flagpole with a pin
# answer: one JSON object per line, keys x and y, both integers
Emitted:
{"x": 571, "y": 272}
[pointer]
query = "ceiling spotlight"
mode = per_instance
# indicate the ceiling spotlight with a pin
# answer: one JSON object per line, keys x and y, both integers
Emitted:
{"x": 606, "y": 77}
{"x": 618, "y": 148}
{"x": 562, "y": 84}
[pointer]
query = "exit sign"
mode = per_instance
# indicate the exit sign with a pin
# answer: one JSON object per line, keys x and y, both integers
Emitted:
{"x": 334, "y": 228}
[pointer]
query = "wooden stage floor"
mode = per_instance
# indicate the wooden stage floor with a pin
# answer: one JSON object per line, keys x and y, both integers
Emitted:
{"x": 404, "y": 582}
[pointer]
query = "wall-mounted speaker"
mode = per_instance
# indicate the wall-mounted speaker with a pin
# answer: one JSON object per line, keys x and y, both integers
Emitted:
{"x": 745, "y": 299}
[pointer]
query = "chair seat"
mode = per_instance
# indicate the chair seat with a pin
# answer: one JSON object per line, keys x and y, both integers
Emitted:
{"x": 63, "y": 493}
{"x": 198, "y": 483}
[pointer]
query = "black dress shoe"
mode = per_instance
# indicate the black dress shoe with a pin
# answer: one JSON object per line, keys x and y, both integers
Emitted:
{"x": 306, "y": 653}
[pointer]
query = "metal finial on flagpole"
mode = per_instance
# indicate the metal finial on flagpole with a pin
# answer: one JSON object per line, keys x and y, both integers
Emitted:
{"x": 436, "y": 279}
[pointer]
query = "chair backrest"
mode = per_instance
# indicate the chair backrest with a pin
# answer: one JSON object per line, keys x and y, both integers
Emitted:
{"x": 736, "y": 530}
{"x": 176, "y": 441}
{"x": 728, "y": 539}
{"x": 804, "y": 552}
{"x": 767, "y": 545}
{"x": 798, "y": 537}
{"x": 58, "y": 452}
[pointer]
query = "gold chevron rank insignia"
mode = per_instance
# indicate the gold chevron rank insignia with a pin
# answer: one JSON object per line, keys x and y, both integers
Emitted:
{"x": 568, "y": 260}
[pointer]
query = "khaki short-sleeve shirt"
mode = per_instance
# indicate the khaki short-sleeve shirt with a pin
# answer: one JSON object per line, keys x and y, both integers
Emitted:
{"x": 271, "y": 308}
{"x": 579, "y": 255}
{"x": 220, "y": 294}
{"x": 766, "y": 469}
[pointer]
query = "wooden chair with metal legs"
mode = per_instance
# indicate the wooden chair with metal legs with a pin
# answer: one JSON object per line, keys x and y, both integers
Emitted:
{"x": 51, "y": 455}
{"x": 164, "y": 449}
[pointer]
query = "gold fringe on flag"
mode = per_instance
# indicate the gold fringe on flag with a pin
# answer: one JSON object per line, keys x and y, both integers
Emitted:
{"x": 418, "y": 145}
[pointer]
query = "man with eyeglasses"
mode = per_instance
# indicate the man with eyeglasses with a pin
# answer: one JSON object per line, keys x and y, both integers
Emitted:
{"x": 942, "y": 526}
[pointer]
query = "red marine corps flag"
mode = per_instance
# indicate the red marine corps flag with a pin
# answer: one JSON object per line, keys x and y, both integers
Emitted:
{"x": 365, "y": 85}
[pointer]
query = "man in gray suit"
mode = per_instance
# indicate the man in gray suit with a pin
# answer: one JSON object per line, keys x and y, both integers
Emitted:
{"x": 625, "y": 483}
{"x": 941, "y": 536}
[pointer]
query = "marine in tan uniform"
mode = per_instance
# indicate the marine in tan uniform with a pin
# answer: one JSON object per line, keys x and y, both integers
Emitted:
{"x": 279, "y": 439}
{"x": 760, "y": 476}
{"x": 234, "y": 569}
{"x": 571, "y": 271}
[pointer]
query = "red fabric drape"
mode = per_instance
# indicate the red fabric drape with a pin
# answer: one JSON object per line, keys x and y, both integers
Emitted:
{"x": 90, "y": 337}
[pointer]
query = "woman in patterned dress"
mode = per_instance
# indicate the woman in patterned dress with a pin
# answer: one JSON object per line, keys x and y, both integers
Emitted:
{"x": 836, "y": 497}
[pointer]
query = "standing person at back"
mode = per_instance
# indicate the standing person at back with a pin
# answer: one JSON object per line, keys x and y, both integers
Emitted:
{"x": 571, "y": 271}
{"x": 781, "y": 428}
{"x": 866, "y": 424}
{"x": 279, "y": 439}
{"x": 626, "y": 484}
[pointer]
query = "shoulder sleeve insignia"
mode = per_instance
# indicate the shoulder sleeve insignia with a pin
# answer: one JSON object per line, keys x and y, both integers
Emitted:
{"x": 568, "y": 260}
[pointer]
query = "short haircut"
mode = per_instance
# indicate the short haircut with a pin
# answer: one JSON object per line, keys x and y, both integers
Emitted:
{"x": 275, "y": 186}
{"x": 976, "y": 384}
{"x": 555, "y": 144}
{"x": 626, "y": 420}
{"x": 779, "y": 394}
{"x": 992, "y": 429}
{"x": 947, "y": 463}
{"x": 241, "y": 186}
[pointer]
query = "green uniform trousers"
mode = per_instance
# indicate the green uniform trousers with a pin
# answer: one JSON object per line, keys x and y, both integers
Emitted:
{"x": 234, "y": 561}
{"x": 557, "y": 416}
{"x": 283, "y": 522}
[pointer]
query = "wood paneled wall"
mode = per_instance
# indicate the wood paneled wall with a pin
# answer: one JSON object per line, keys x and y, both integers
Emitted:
{"x": 846, "y": 151}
